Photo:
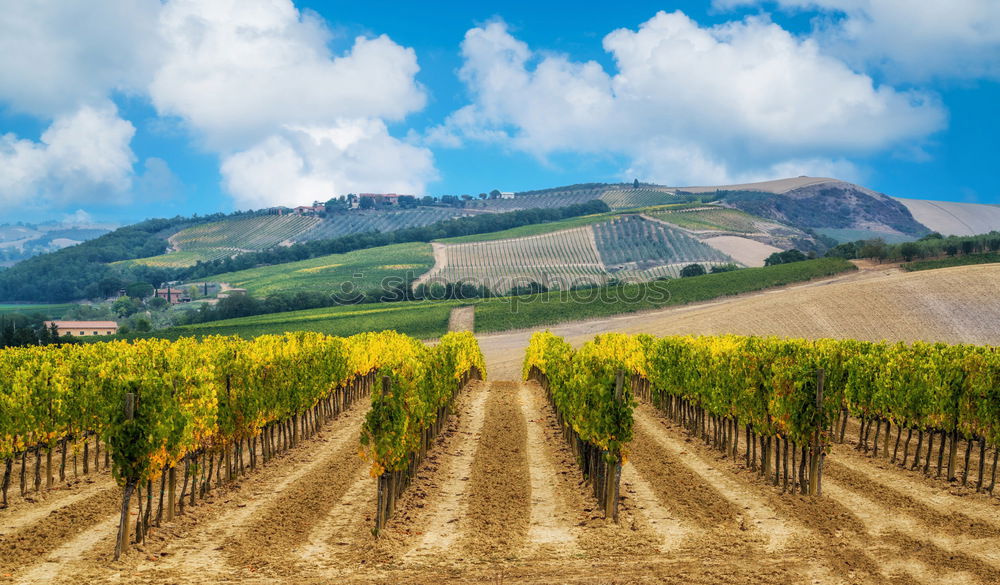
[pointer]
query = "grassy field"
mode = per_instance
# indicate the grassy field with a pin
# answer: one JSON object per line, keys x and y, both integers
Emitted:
{"x": 952, "y": 261}
{"x": 363, "y": 269}
{"x": 722, "y": 219}
{"x": 423, "y": 320}
{"x": 54, "y": 311}
{"x": 181, "y": 259}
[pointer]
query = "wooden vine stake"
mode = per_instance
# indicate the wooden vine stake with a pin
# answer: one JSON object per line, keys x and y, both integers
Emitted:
{"x": 815, "y": 464}
{"x": 614, "y": 468}
{"x": 122, "y": 544}
{"x": 382, "y": 512}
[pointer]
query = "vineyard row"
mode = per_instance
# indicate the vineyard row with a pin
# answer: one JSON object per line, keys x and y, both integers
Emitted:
{"x": 209, "y": 405}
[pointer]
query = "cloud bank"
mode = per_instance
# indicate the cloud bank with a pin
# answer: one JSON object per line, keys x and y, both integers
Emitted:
{"x": 250, "y": 80}
{"x": 688, "y": 104}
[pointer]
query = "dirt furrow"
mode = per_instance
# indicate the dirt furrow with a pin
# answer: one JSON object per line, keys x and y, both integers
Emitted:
{"x": 23, "y": 513}
{"x": 552, "y": 528}
{"x": 332, "y": 535}
{"x": 196, "y": 545}
{"x": 498, "y": 514}
{"x": 57, "y": 563}
{"x": 58, "y": 534}
{"x": 948, "y": 519}
{"x": 279, "y": 530}
{"x": 969, "y": 509}
{"x": 663, "y": 521}
{"x": 632, "y": 537}
{"x": 913, "y": 538}
{"x": 444, "y": 482}
{"x": 755, "y": 514}
{"x": 830, "y": 542}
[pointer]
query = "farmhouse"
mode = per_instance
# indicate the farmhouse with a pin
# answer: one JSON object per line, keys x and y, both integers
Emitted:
{"x": 82, "y": 328}
{"x": 173, "y": 295}
{"x": 380, "y": 200}
{"x": 506, "y": 195}
{"x": 313, "y": 209}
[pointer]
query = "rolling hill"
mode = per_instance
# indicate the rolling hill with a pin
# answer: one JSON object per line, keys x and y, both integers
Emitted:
{"x": 836, "y": 209}
{"x": 744, "y": 223}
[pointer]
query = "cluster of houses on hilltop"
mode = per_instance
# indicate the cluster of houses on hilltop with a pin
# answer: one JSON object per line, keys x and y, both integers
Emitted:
{"x": 368, "y": 201}
{"x": 352, "y": 201}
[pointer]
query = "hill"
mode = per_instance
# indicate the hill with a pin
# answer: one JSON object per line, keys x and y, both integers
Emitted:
{"x": 806, "y": 213}
{"x": 22, "y": 241}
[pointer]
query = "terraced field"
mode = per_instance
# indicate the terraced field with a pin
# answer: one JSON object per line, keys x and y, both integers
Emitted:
{"x": 547, "y": 199}
{"x": 357, "y": 222}
{"x": 628, "y": 248}
{"x": 252, "y": 233}
{"x": 634, "y": 249}
{"x": 230, "y": 237}
{"x": 634, "y": 198}
{"x": 560, "y": 259}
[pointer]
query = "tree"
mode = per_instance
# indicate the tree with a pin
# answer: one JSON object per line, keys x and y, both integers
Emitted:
{"x": 495, "y": 194}
{"x": 635, "y": 184}
{"x": 367, "y": 203}
{"x": 466, "y": 197}
{"x": 125, "y": 306}
{"x": 139, "y": 290}
{"x": 785, "y": 257}
{"x": 875, "y": 249}
{"x": 692, "y": 270}
{"x": 157, "y": 304}
{"x": 482, "y": 195}
{"x": 909, "y": 251}
{"x": 724, "y": 268}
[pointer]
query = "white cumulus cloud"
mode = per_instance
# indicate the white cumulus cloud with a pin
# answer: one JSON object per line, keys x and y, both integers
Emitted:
{"x": 689, "y": 104}
{"x": 305, "y": 164}
{"x": 236, "y": 70}
{"x": 239, "y": 75}
{"x": 58, "y": 54}
{"x": 909, "y": 40}
{"x": 82, "y": 156}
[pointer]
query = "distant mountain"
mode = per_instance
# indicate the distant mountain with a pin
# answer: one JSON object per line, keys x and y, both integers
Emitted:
{"x": 21, "y": 241}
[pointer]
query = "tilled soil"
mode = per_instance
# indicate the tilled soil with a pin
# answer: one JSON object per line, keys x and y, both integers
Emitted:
{"x": 499, "y": 499}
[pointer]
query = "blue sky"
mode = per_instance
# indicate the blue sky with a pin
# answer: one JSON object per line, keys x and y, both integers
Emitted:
{"x": 136, "y": 109}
